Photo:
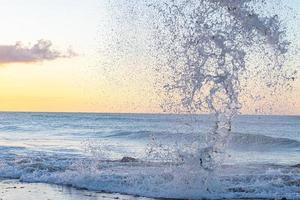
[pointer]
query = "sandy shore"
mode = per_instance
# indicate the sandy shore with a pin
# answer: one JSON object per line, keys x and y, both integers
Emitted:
{"x": 15, "y": 190}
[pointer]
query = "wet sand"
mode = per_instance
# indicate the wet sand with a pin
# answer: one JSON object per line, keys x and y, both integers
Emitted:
{"x": 15, "y": 190}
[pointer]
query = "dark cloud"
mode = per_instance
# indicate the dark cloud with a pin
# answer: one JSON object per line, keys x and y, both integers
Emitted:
{"x": 40, "y": 51}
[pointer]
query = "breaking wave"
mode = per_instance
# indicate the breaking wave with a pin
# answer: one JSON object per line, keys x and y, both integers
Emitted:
{"x": 239, "y": 141}
{"x": 154, "y": 179}
{"x": 261, "y": 142}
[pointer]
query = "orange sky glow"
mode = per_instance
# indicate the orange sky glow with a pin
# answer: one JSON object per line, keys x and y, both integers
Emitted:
{"x": 67, "y": 76}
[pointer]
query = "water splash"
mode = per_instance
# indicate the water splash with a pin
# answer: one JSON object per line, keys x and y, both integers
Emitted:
{"x": 205, "y": 48}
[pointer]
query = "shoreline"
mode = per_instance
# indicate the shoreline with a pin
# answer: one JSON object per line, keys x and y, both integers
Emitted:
{"x": 13, "y": 189}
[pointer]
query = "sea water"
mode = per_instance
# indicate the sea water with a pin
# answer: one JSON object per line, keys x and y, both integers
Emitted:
{"x": 85, "y": 150}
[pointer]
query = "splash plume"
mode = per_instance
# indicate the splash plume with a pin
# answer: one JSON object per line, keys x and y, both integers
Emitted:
{"x": 205, "y": 47}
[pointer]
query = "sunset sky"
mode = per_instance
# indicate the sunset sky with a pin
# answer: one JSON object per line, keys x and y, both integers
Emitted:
{"x": 50, "y": 61}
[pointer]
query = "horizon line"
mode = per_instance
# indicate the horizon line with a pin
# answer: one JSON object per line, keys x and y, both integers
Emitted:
{"x": 142, "y": 113}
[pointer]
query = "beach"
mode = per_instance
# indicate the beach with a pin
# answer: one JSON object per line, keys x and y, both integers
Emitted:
{"x": 16, "y": 190}
{"x": 150, "y": 99}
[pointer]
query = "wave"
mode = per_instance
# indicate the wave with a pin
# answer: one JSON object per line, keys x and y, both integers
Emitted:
{"x": 257, "y": 142}
{"x": 139, "y": 134}
{"x": 136, "y": 177}
{"x": 238, "y": 141}
{"x": 10, "y": 128}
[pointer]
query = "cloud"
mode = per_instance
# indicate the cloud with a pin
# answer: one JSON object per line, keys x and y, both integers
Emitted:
{"x": 41, "y": 51}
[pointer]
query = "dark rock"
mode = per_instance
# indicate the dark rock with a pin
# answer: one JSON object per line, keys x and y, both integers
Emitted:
{"x": 240, "y": 190}
{"x": 128, "y": 159}
{"x": 296, "y": 166}
{"x": 294, "y": 183}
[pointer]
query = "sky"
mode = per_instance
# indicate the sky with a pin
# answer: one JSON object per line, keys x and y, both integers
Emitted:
{"x": 50, "y": 61}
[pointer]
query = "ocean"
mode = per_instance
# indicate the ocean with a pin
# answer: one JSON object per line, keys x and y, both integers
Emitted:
{"x": 151, "y": 155}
